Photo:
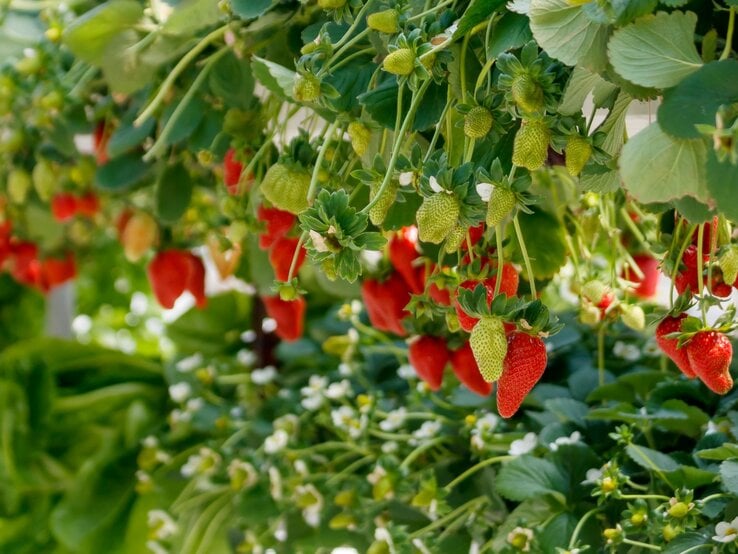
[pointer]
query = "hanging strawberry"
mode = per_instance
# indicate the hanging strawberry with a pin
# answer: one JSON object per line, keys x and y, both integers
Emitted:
{"x": 429, "y": 356}
{"x": 172, "y": 272}
{"x": 523, "y": 367}
{"x": 385, "y": 303}
{"x": 467, "y": 371}
{"x": 288, "y": 314}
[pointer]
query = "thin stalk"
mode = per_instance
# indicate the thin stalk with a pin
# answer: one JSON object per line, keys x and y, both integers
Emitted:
{"x": 729, "y": 35}
{"x": 644, "y": 497}
{"x": 419, "y": 450}
{"x": 580, "y": 526}
{"x": 700, "y": 279}
{"x": 498, "y": 237}
{"x": 601, "y": 354}
{"x": 432, "y": 10}
{"x": 296, "y": 255}
{"x": 472, "y": 470}
{"x": 526, "y": 259}
{"x": 641, "y": 544}
{"x": 357, "y": 20}
{"x": 440, "y": 522}
{"x": 313, "y": 190}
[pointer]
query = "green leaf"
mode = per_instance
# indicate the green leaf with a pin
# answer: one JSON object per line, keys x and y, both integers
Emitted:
{"x": 691, "y": 542}
{"x": 544, "y": 240}
{"x": 656, "y": 50}
{"x": 476, "y": 12}
{"x": 127, "y": 136}
{"x": 697, "y": 98}
{"x": 657, "y": 168}
{"x": 693, "y": 210}
{"x": 277, "y": 78}
{"x": 18, "y": 32}
{"x": 690, "y": 477}
{"x": 567, "y": 34}
{"x": 173, "y": 193}
{"x": 724, "y": 452}
{"x": 249, "y": 9}
{"x": 122, "y": 173}
{"x": 89, "y": 35}
{"x": 580, "y": 84}
{"x": 527, "y": 477}
{"x": 721, "y": 182}
{"x": 231, "y": 80}
{"x": 729, "y": 475}
{"x": 189, "y": 16}
{"x": 567, "y": 409}
{"x": 512, "y": 31}
{"x": 650, "y": 459}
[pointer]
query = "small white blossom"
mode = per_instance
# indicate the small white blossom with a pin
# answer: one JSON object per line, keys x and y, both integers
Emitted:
{"x": 248, "y": 337}
{"x": 194, "y": 404}
{"x": 179, "y": 416}
{"x": 521, "y": 538}
{"x": 161, "y": 525}
{"x": 318, "y": 241}
{"x": 477, "y": 441}
{"x": 651, "y": 348}
{"x": 242, "y": 474}
{"x": 406, "y": 371}
{"x": 406, "y": 178}
{"x": 150, "y": 442}
{"x": 726, "y": 532}
{"x": 309, "y": 497}
{"x": 571, "y": 439}
{"x": 313, "y": 393}
{"x": 345, "y": 418}
{"x": 377, "y": 473}
{"x": 281, "y": 532}
{"x": 268, "y": 325}
{"x": 428, "y": 430}
{"x": 336, "y": 391}
{"x": 435, "y": 187}
{"x": 246, "y": 357}
{"x": 287, "y": 422}
{"x": 205, "y": 462}
{"x": 301, "y": 467}
{"x": 179, "y": 392}
{"x": 711, "y": 428}
{"x": 276, "y": 442}
{"x": 346, "y": 370}
{"x": 264, "y": 375}
{"x": 185, "y": 365}
{"x": 275, "y": 483}
{"x": 156, "y": 548}
{"x": 388, "y": 447}
{"x": 628, "y": 352}
{"x": 484, "y": 190}
{"x": 522, "y": 446}
{"x": 394, "y": 420}
{"x": 487, "y": 423}
{"x": 592, "y": 476}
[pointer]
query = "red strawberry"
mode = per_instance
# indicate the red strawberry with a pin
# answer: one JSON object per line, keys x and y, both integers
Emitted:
{"x": 55, "y": 271}
{"x": 669, "y": 346}
{"x": 509, "y": 287}
{"x": 289, "y": 315}
{"x": 718, "y": 287}
{"x": 123, "y": 218}
{"x": 281, "y": 254}
{"x": 172, "y": 272}
{"x": 689, "y": 258}
{"x": 466, "y": 321}
{"x": 24, "y": 265}
{"x": 100, "y": 142}
{"x": 687, "y": 280}
{"x": 232, "y": 170}
{"x": 510, "y": 280}
{"x": 710, "y": 354}
{"x": 467, "y": 371}
{"x": 278, "y": 223}
{"x": 710, "y": 230}
{"x": 403, "y": 252}
{"x": 439, "y": 295}
{"x": 88, "y": 204}
{"x": 385, "y": 303}
{"x": 523, "y": 367}
{"x": 475, "y": 234}
{"x": 429, "y": 356}
{"x": 63, "y": 206}
{"x": 646, "y": 287}
{"x": 196, "y": 280}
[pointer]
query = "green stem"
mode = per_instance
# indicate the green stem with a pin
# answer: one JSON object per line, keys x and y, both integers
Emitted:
{"x": 526, "y": 259}
{"x": 700, "y": 280}
{"x": 296, "y": 255}
{"x": 472, "y": 470}
{"x": 601, "y": 353}
{"x": 161, "y": 142}
{"x": 330, "y": 445}
{"x": 432, "y": 10}
{"x": 195, "y": 532}
{"x": 714, "y": 497}
{"x": 108, "y": 394}
{"x": 177, "y": 71}
{"x": 729, "y": 35}
{"x": 349, "y": 469}
{"x": 642, "y": 545}
{"x": 419, "y": 450}
{"x": 414, "y": 104}
{"x": 580, "y": 526}
{"x": 353, "y": 56}
{"x": 357, "y": 20}
{"x": 440, "y": 522}
{"x": 349, "y": 44}
{"x": 498, "y": 238}
{"x": 644, "y": 497}
{"x": 313, "y": 190}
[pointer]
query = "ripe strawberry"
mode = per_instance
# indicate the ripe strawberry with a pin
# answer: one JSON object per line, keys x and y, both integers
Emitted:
{"x": 524, "y": 365}
{"x": 400, "y": 62}
{"x": 530, "y": 147}
{"x": 88, "y": 204}
{"x": 475, "y": 235}
{"x": 467, "y": 371}
{"x": 403, "y": 253}
{"x": 140, "y": 232}
{"x": 55, "y": 271}
{"x": 278, "y": 223}
{"x": 63, "y": 206}
{"x": 232, "y": 170}
{"x": 281, "y": 254}
{"x": 289, "y": 315}
{"x": 286, "y": 188}
{"x": 718, "y": 286}
{"x": 306, "y": 88}
{"x": 378, "y": 211}
{"x": 439, "y": 295}
{"x": 477, "y": 122}
{"x": 689, "y": 258}
{"x": 670, "y": 346}
{"x": 527, "y": 93}
{"x": 710, "y": 230}
{"x": 385, "y": 303}
{"x": 578, "y": 151}
{"x": 24, "y": 263}
{"x": 710, "y": 353}
{"x": 466, "y": 321}
{"x": 646, "y": 287}
{"x": 501, "y": 203}
{"x": 196, "y": 280}
{"x": 437, "y": 217}
{"x": 489, "y": 344}
{"x": 386, "y": 21}
{"x": 100, "y": 140}
{"x": 429, "y": 356}
{"x": 172, "y": 272}
{"x": 508, "y": 287}
{"x": 360, "y": 136}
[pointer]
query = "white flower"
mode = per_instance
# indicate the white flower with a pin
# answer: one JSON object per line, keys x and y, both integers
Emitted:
{"x": 246, "y": 357}
{"x": 205, "y": 462}
{"x": 345, "y": 370}
{"x": 519, "y": 6}
{"x": 179, "y": 416}
{"x": 394, "y": 420}
{"x": 242, "y": 474}
{"x": 523, "y": 446}
{"x": 264, "y": 375}
{"x": 281, "y": 532}
{"x": 312, "y": 403}
{"x": 301, "y": 467}
{"x": 150, "y": 442}
{"x": 287, "y": 422}
{"x": 377, "y": 473}
{"x": 156, "y": 548}
{"x": 520, "y": 537}
{"x": 179, "y": 392}
{"x": 185, "y": 365}
{"x": 318, "y": 241}
{"x": 247, "y": 337}
{"x": 336, "y": 391}
{"x": 628, "y": 352}
{"x": 311, "y": 516}
{"x": 161, "y": 525}
{"x": 711, "y": 428}
{"x": 477, "y": 442}
{"x": 427, "y": 430}
{"x": 406, "y": 371}
{"x": 194, "y": 404}
{"x": 309, "y": 497}
{"x": 487, "y": 423}
{"x": 268, "y": 325}
{"x": 275, "y": 483}
{"x": 726, "y": 532}
{"x": 435, "y": 187}
{"x": 388, "y": 447}
{"x": 484, "y": 190}
{"x": 313, "y": 393}
{"x": 345, "y": 418}
{"x": 406, "y": 178}
{"x": 276, "y": 442}
{"x": 651, "y": 348}
{"x": 571, "y": 439}
{"x": 592, "y": 476}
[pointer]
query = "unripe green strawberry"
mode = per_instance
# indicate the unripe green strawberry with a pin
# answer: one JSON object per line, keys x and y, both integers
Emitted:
{"x": 530, "y": 148}
{"x": 578, "y": 151}
{"x": 400, "y": 62}
{"x": 286, "y": 188}
{"x": 477, "y": 122}
{"x": 489, "y": 345}
{"x": 19, "y": 183}
{"x": 594, "y": 291}
{"x": 633, "y": 316}
{"x": 385, "y": 21}
{"x": 360, "y": 136}
{"x": 527, "y": 93}
{"x": 455, "y": 239}
{"x": 331, "y": 4}
{"x": 437, "y": 217}
{"x": 306, "y": 88}
{"x": 590, "y": 314}
{"x": 378, "y": 211}
{"x": 501, "y": 203}
{"x": 44, "y": 180}
{"x": 729, "y": 264}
